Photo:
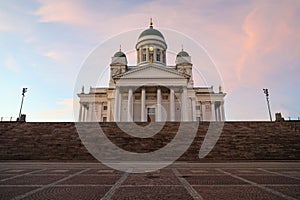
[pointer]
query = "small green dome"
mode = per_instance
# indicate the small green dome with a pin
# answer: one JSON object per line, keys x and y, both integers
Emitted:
{"x": 119, "y": 54}
{"x": 183, "y": 54}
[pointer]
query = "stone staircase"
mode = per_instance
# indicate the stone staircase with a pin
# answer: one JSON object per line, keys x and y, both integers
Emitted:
{"x": 293, "y": 124}
{"x": 6, "y": 126}
{"x": 238, "y": 140}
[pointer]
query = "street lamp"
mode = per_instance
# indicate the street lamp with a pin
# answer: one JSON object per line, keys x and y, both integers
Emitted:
{"x": 23, "y": 95}
{"x": 266, "y": 91}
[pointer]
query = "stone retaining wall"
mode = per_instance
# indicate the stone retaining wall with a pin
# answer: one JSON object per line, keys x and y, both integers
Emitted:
{"x": 238, "y": 141}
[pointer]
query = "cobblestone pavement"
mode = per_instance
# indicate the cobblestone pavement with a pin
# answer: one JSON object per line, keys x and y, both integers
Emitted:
{"x": 247, "y": 180}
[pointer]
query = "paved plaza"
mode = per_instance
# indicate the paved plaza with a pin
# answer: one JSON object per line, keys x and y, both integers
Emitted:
{"x": 221, "y": 180}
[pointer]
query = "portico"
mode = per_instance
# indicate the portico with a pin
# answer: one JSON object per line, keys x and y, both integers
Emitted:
{"x": 147, "y": 103}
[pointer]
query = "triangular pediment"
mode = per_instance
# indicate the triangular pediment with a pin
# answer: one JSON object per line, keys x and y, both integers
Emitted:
{"x": 152, "y": 72}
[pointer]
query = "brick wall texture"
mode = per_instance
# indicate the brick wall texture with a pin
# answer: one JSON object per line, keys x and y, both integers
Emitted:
{"x": 238, "y": 141}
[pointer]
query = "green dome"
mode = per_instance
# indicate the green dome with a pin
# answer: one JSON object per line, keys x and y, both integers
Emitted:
{"x": 183, "y": 54}
{"x": 119, "y": 54}
{"x": 151, "y": 31}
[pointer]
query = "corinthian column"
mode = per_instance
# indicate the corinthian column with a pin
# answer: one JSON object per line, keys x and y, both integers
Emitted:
{"x": 172, "y": 105}
{"x": 116, "y": 108}
{"x": 130, "y": 106}
{"x": 194, "y": 109}
{"x": 80, "y": 113}
{"x": 143, "y": 105}
{"x": 184, "y": 111}
{"x": 158, "y": 104}
{"x": 213, "y": 111}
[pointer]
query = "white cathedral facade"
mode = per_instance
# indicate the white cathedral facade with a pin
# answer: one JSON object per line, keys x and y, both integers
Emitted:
{"x": 151, "y": 90}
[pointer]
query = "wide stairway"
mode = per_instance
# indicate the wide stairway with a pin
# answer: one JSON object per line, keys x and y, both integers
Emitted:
{"x": 237, "y": 140}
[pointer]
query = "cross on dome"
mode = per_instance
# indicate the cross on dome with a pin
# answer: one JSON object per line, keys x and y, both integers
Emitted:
{"x": 151, "y": 23}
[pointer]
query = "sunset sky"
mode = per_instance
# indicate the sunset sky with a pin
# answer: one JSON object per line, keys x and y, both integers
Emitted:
{"x": 254, "y": 45}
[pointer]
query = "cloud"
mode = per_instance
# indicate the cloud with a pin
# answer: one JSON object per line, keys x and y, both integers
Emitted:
{"x": 270, "y": 42}
{"x": 4, "y": 25}
{"x": 60, "y": 111}
{"x": 67, "y": 107}
{"x": 54, "y": 55}
{"x": 11, "y": 64}
{"x": 67, "y": 12}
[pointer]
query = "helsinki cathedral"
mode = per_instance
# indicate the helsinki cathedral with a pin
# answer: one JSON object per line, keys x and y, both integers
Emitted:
{"x": 151, "y": 90}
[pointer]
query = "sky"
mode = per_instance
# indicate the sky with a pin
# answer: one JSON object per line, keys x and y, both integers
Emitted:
{"x": 254, "y": 44}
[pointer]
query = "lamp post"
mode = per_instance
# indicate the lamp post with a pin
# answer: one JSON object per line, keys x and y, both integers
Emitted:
{"x": 266, "y": 91}
{"x": 23, "y": 95}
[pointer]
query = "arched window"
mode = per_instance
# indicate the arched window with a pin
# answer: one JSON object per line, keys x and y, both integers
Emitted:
{"x": 138, "y": 55}
{"x": 144, "y": 55}
{"x": 158, "y": 55}
{"x": 164, "y": 56}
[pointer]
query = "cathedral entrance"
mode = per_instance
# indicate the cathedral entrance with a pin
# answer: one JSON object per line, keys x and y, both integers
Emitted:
{"x": 151, "y": 114}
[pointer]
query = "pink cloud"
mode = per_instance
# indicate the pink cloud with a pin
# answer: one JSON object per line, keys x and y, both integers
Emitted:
{"x": 69, "y": 12}
{"x": 11, "y": 64}
{"x": 54, "y": 55}
{"x": 269, "y": 33}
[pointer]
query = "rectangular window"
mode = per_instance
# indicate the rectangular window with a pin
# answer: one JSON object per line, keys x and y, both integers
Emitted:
{"x": 151, "y": 111}
{"x": 197, "y": 107}
{"x": 104, "y": 107}
{"x": 104, "y": 119}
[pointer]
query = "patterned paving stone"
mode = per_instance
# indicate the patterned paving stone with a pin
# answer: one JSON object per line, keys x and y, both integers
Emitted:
{"x": 103, "y": 172}
{"x": 241, "y": 171}
{"x": 32, "y": 180}
{"x": 271, "y": 179}
{"x": 95, "y": 183}
{"x": 91, "y": 180}
{"x": 58, "y": 171}
{"x": 282, "y": 170}
{"x": 293, "y": 191}
{"x": 70, "y": 193}
{"x": 197, "y": 171}
{"x": 151, "y": 180}
{"x": 17, "y": 171}
{"x": 293, "y": 172}
{"x": 11, "y": 192}
{"x": 160, "y": 172}
{"x": 2, "y": 169}
{"x": 234, "y": 193}
{"x": 152, "y": 192}
{"x": 213, "y": 180}
{"x": 5, "y": 176}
